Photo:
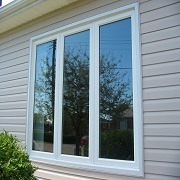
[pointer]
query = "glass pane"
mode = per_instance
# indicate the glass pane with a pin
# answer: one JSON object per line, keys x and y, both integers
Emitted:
{"x": 116, "y": 92}
{"x": 43, "y": 124}
{"x": 76, "y": 94}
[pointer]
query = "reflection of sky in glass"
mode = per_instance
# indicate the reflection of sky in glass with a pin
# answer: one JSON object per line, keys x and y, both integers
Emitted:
{"x": 115, "y": 41}
{"x": 44, "y": 51}
{"x": 78, "y": 41}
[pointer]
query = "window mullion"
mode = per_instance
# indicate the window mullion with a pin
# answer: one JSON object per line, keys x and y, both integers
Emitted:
{"x": 56, "y": 112}
{"x": 96, "y": 91}
{"x": 59, "y": 95}
{"x": 92, "y": 103}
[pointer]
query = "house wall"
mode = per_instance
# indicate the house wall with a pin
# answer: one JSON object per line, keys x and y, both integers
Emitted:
{"x": 160, "y": 56}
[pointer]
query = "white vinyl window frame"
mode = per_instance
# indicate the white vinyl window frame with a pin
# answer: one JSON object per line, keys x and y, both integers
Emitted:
{"x": 93, "y": 162}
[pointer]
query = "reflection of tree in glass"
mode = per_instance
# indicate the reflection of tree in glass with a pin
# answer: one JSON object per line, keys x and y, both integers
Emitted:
{"x": 45, "y": 87}
{"x": 115, "y": 107}
{"x": 76, "y": 92}
{"x": 115, "y": 92}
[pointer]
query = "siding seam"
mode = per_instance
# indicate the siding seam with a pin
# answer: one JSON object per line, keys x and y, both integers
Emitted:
{"x": 166, "y": 62}
{"x": 15, "y": 51}
{"x": 159, "y": 51}
{"x": 158, "y": 18}
{"x": 158, "y": 7}
{"x": 159, "y": 40}
{"x": 160, "y": 29}
{"x": 161, "y": 75}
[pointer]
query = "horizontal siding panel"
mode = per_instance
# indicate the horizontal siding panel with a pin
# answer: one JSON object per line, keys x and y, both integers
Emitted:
{"x": 13, "y": 128}
{"x": 13, "y": 105}
{"x": 12, "y": 120}
{"x": 162, "y": 105}
{"x": 15, "y": 48}
{"x": 160, "y": 35}
{"x": 17, "y": 40}
{"x": 161, "y": 57}
{"x": 159, "y": 177}
{"x": 162, "y": 155}
{"x": 163, "y": 68}
{"x": 61, "y": 176}
{"x": 162, "y": 130}
{"x": 163, "y": 80}
{"x": 162, "y": 142}
{"x": 23, "y": 144}
{"x": 13, "y": 69}
{"x": 159, "y": 24}
{"x": 162, "y": 92}
{"x": 170, "y": 169}
{"x": 16, "y": 75}
{"x": 14, "y": 83}
{"x": 164, "y": 45}
{"x": 149, "y": 6}
{"x": 21, "y": 136}
{"x": 14, "y": 62}
{"x": 160, "y": 13}
{"x": 162, "y": 117}
{"x": 13, "y": 113}
{"x": 13, "y": 98}
{"x": 17, "y": 54}
{"x": 13, "y": 90}
{"x": 53, "y": 175}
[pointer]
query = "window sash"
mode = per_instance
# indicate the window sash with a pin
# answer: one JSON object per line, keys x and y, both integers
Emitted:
{"x": 59, "y": 87}
{"x": 110, "y": 162}
{"x": 93, "y": 161}
{"x": 30, "y": 105}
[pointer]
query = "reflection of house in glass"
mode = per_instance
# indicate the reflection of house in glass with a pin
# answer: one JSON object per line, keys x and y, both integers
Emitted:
{"x": 127, "y": 121}
{"x": 123, "y": 123}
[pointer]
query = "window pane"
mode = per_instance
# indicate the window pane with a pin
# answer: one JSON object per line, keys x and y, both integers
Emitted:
{"x": 76, "y": 94}
{"x": 43, "y": 124}
{"x": 116, "y": 92}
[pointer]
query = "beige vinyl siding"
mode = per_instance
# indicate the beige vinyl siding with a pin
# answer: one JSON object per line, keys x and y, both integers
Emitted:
{"x": 13, "y": 90}
{"x": 160, "y": 57}
{"x": 160, "y": 48}
{"x": 160, "y": 38}
{"x": 167, "y": 117}
{"x": 163, "y": 155}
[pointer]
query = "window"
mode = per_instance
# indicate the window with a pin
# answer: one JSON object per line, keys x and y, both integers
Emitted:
{"x": 84, "y": 106}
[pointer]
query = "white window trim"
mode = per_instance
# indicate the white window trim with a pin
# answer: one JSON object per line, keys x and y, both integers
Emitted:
{"x": 93, "y": 162}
